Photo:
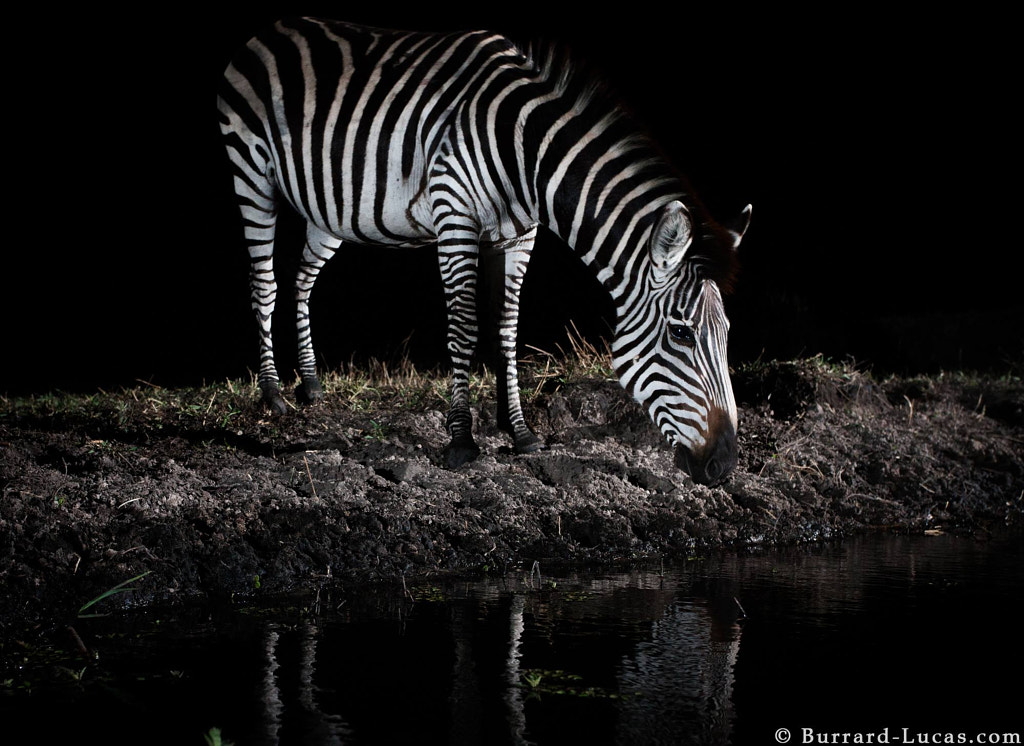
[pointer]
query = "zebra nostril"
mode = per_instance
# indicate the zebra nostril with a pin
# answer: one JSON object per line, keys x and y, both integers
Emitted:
{"x": 713, "y": 471}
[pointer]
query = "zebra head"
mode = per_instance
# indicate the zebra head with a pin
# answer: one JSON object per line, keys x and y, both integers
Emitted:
{"x": 670, "y": 344}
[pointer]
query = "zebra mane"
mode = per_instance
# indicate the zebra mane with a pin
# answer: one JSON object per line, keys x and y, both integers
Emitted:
{"x": 712, "y": 254}
{"x": 571, "y": 75}
{"x": 715, "y": 257}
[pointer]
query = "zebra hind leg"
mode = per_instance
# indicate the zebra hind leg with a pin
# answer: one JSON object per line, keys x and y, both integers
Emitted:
{"x": 320, "y": 247}
{"x": 256, "y": 193}
{"x": 259, "y": 234}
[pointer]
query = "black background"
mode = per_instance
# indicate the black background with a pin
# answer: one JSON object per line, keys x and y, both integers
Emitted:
{"x": 874, "y": 146}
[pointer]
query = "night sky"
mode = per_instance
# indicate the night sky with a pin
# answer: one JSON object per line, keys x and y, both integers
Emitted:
{"x": 875, "y": 150}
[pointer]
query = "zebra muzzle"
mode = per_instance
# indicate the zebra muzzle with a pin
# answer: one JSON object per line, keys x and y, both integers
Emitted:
{"x": 713, "y": 463}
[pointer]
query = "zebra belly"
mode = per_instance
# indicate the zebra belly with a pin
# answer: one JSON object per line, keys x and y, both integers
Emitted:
{"x": 386, "y": 211}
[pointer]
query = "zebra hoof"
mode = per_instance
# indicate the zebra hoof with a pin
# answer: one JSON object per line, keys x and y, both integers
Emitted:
{"x": 309, "y": 391}
{"x": 529, "y": 444}
{"x": 273, "y": 401}
{"x": 460, "y": 452}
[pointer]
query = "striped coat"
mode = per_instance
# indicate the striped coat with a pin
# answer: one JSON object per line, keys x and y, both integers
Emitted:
{"x": 468, "y": 142}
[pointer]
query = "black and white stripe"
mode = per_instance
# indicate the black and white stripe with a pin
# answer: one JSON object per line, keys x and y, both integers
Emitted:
{"x": 464, "y": 140}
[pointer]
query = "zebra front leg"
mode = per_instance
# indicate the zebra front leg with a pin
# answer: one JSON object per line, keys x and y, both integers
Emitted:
{"x": 320, "y": 247}
{"x": 458, "y": 261}
{"x": 513, "y": 259}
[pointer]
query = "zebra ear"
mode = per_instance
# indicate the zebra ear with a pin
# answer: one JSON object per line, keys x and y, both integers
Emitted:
{"x": 738, "y": 226}
{"x": 672, "y": 236}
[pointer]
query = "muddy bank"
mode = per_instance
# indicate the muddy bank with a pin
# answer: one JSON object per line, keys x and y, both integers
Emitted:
{"x": 212, "y": 497}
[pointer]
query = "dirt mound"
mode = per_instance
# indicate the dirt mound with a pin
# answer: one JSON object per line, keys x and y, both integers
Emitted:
{"x": 211, "y": 496}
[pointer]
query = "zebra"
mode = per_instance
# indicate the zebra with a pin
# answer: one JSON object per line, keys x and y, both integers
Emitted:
{"x": 469, "y": 142}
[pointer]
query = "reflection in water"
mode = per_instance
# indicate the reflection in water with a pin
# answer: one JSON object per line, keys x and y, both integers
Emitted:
{"x": 663, "y": 670}
{"x": 306, "y": 715}
{"x": 271, "y": 691}
{"x": 684, "y": 678}
{"x": 875, "y": 632}
{"x": 465, "y": 693}
{"x": 513, "y": 694}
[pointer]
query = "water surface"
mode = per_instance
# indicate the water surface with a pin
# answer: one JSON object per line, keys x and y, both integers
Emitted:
{"x": 880, "y": 634}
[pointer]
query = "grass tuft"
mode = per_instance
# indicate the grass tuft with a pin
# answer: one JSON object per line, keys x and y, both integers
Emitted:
{"x": 583, "y": 361}
{"x": 367, "y": 388}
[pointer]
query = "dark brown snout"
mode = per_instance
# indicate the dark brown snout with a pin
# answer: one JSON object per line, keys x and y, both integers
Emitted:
{"x": 712, "y": 463}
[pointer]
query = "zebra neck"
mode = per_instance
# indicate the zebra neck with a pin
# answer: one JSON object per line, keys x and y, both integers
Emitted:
{"x": 604, "y": 205}
{"x": 582, "y": 166}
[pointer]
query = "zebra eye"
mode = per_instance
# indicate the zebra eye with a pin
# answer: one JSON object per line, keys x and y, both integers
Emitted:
{"x": 682, "y": 334}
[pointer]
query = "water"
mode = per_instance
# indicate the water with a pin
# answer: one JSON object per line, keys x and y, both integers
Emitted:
{"x": 910, "y": 639}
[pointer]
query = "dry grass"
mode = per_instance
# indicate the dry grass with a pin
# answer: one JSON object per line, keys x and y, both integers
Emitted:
{"x": 366, "y": 387}
{"x": 583, "y": 361}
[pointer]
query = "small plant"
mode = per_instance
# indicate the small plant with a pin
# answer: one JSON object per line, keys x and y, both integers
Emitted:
{"x": 540, "y": 681}
{"x": 378, "y": 431}
{"x": 119, "y": 588}
{"x": 430, "y": 594}
{"x": 213, "y": 737}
